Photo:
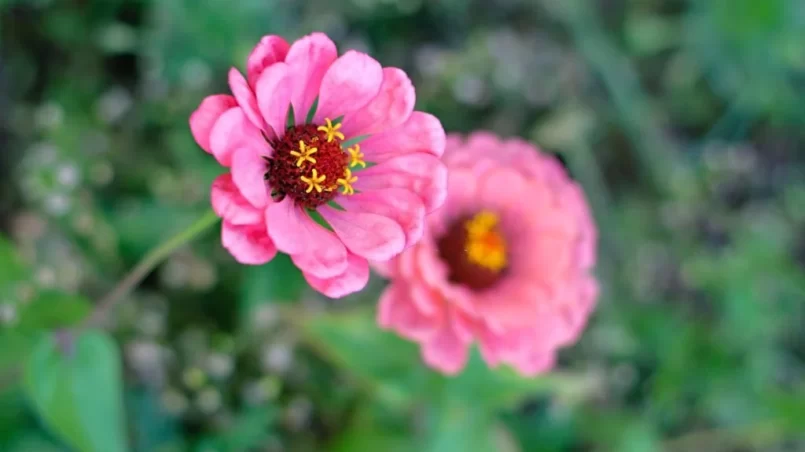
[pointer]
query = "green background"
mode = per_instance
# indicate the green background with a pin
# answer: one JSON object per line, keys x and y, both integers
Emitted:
{"x": 682, "y": 119}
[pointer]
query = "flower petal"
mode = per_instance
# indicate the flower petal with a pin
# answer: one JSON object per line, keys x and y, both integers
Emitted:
{"x": 368, "y": 235}
{"x": 423, "y": 174}
{"x": 351, "y": 82}
{"x": 390, "y": 108}
{"x": 422, "y": 132}
{"x": 399, "y": 204}
{"x": 535, "y": 363}
{"x": 233, "y": 131}
{"x": 353, "y": 279}
{"x": 248, "y": 244}
{"x": 271, "y": 49}
{"x": 309, "y": 59}
{"x": 527, "y": 349}
{"x": 313, "y": 249}
{"x": 445, "y": 351}
{"x": 206, "y": 115}
{"x": 274, "y": 96}
{"x": 248, "y": 173}
{"x": 504, "y": 186}
{"x": 462, "y": 197}
{"x": 396, "y": 312}
{"x": 230, "y": 205}
{"x": 245, "y": 97}
{"x": 512, "y": 304}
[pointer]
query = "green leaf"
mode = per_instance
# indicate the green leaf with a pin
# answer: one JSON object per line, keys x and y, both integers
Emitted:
{"x": 372, "y": 429}
{"x": 48, "y": 311}
{"x": 12, "y": 268}
{"x": 353, "y": 141}
{"x": 316, "y": 216}
{"x": 75, "y": 386}
{"x": 312, "y": 112}
{"x": 458, "y": 426}
{"x": 249, "y": 429}
{"x": 152, "y": 428}
{"x": 33, "y": 442}
{"x": 51, "y": 310}
{"x": 291, "y": 121}
{"x": 504, "y": 388}
{"x": 13, "y": 419}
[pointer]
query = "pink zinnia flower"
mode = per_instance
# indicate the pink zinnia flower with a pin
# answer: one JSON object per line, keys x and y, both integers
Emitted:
{"x": 505, "y": 263}
{"x": 289, "y": 136}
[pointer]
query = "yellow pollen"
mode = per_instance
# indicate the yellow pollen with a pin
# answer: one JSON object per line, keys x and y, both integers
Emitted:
{"x": 347, "y": 182}
{"x": 331, "y": 130}
{"x": 485, "y": 246}
{"x": 304, "y": 154}
{"x": 314, "y": 181}
{"x": 356, "y": 157}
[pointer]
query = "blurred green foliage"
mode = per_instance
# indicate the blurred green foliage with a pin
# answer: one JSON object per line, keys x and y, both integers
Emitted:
{"x": 681, "y": 118}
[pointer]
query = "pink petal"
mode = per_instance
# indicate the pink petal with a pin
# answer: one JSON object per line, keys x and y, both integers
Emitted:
{"x": 368, "y": 235}
{"x": 534, "y": 363}
{"x": 248, "y": 244}
{"x": 504, "y": 186}
{"x": 230, "y": 205}
{"x": 406, "y": 266}
{"x": 233, "y": 131}
{"x": 576, "y": 312}
{"x": 245, "y": 97}
{"x": 384, "y": 269}
{"x": 349, "y": 84}
{"x": 206, "y": 115}
{"x": 248, "y": 173}
{"x": 515, "y": 304}
{"x": 396, "y": 312}
{"x": 398, "y": 204}
{"x": 445, "y": 352}
{"x": 353, "y": 279}
{"x": 423, "y": 174}
{"x": 528, "y": 350}
{"x": 454, "y": 144}
{"x": 421, "y": 133}
{"x": 274, "y": 96}
{"x": 309, "y": 59}
{"x": 489, "y": 353}
{"x": 462, "y": 194}
{"x": 389, "y": 109}
{"x": 271, "y": 49}
{"x": 426, "y": 300}
{"x": 313, "y": 249}
{"x": 482, "y": 142}
{"x": 432, "y": 270}
{"x": 550, "y": 260}
{"x": 462, "y": 325}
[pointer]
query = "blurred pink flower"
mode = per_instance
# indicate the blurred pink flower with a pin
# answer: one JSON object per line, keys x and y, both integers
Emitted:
{"x": 505, "y": 263}
{"x": 285, "y": 164}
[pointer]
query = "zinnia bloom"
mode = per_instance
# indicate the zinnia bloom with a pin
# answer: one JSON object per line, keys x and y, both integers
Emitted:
{"x": 505, "y": 263}
{"x": 308, "y": 133}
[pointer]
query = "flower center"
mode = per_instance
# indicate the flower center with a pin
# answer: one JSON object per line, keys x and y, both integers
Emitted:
{"x": 475, "y": 250}
{"x": 309, "y": 165}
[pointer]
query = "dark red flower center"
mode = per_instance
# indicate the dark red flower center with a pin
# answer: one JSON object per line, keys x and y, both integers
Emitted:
{"x": 475, "y": 251}
{"x": 309, "y": 165}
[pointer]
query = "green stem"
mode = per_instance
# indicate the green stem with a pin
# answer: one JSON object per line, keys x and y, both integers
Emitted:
{"x": 147, "y": 265}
